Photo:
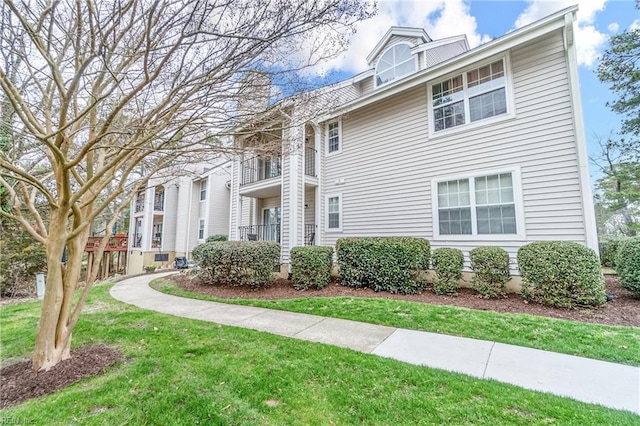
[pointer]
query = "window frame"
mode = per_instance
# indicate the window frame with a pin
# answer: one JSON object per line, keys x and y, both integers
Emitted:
{"x": 416, "y": 65}
{"x": 516, "y": 180}
{"x": 509, "y": 97}
{"x": 327, "y": 198}
{"x": 203, "y": 189}
{"x": 339, "y": 150}
{"x": 201, "y": 229}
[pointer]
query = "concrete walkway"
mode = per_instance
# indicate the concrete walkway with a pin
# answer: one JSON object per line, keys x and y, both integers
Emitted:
{"x": 598, "y": 382}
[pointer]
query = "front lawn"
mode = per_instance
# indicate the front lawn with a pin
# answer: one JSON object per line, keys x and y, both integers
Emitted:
{"x": 608, "y": 343}
{"x": 186, "y": 372}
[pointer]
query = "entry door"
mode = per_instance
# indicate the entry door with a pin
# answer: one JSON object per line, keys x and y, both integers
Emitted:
{"x": 271, "y": 222}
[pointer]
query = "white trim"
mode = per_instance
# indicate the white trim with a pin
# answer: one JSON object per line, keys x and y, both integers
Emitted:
{"x": 521, "y": 234}
{"x": 326, "y": 137}
{"x": 397, "y": 31}
{"x": 340, "y": 217}
{"x": 440, "y": 42}
{"x": 416, "y": 65}
{"x": 591, "y": 230}
{"x": 509, "y": 98}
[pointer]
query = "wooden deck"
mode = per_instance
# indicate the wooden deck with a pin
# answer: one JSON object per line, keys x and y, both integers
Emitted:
{"x": 114, "y": 244}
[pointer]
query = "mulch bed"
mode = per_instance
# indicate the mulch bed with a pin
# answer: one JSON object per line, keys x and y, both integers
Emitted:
{"x": 18, "y": 382}
{"x": 624, "y": 309}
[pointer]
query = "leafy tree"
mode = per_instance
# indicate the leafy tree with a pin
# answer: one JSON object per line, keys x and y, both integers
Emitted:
{"x": 620, "y": 66}
{"x": 105, "y": 94}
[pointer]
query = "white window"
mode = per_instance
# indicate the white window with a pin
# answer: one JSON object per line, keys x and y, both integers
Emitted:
{"x": 334, "y": 212}
{"x": 203, "y": 190}
{"x": 334, "y": 136}
{"x": 396, "y": 62}
{"x": 474, "y": 95}
{"x": 201, "y": 229}
{"x": 481, "y": 204}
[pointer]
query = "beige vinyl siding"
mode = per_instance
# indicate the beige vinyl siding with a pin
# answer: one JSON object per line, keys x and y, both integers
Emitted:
{"x": 310, "y": 209}
{"x": 366, "y": 85}
{"x": 218, "y": 214}
{"x": 388, "y": 161}
{"x": 170, "y": 217}
{"x": 442, "y": 53}
{"x": 234, "y": 207}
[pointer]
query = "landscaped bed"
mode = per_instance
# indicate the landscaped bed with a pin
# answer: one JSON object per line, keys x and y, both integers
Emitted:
{"x": 624, "y": 309}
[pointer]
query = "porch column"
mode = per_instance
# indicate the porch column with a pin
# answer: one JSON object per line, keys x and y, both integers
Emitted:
{"x": 293, "y": 218}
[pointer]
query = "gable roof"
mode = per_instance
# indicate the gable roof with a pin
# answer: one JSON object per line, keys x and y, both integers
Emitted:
{"x": 397, "y": 31}
{"x": 561, "y": 19}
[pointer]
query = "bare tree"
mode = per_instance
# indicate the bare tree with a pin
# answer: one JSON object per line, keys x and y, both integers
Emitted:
{"x": 104, "y": 94}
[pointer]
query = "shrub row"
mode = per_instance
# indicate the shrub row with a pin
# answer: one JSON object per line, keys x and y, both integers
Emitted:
{"x": 392, "y": 264}
{"x": 311, "y": 266}
{"x": 447, "y": 264}
{"x": 628, "y": 265}
{"x": 237, "y": 262}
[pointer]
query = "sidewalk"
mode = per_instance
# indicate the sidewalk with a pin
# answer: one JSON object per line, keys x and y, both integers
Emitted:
{"x": 598, "y": 382}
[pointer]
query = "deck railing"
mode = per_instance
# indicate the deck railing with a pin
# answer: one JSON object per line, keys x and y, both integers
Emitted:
{"x": 310, "y": 161}
{"x": 114, "y": 244}
{"x": 256, "y": 169}
{"x": 260, "y": 233}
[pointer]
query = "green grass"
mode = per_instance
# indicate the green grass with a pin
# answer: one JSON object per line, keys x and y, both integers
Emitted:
{"x": 608, "y": 343}
{"x": 186, "y": 372}
{"x": 609, "y": 271}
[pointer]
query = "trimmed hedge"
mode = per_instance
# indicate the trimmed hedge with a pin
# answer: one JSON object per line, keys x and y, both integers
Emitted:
{"x": 311, "y": 266}
{"x": 237, "y": 262}
{"x": 383, "y": 263}
{"x": 447, "y": 263}
{"x": 491, "y": 267}
{"x": 217, "y": 237}
{"x": 608, "y": 248}
{"x": 561, "y": 273}
{"x": 628, "y": 265}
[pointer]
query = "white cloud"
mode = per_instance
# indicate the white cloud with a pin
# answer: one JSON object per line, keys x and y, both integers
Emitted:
{"x": 440, "y": 18}
{"x": 613, "y": 27}
{"x": 635, "y": 25}
{"x": 589, "y": 40}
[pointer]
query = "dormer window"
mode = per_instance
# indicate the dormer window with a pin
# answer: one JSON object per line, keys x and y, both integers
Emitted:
{"x": 396, "y": 62}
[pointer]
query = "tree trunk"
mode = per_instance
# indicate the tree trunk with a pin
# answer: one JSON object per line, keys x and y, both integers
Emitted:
{"x": 53, "y": 338}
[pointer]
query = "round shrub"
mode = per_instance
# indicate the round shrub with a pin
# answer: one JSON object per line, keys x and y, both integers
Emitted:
{"x": 491, "y": 267}
{"x": 383, "y": 263}
{"x": 561, "y": 273}
{"x": 237, "y": 262}
{"x": 447, "y": 263}
{"x": 628, "y": 265}
{"x": 311, "y": 266}
{"x": 608, "y": 249}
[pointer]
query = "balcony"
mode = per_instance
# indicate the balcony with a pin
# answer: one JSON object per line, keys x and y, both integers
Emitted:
{"x": 260, "y": 233}
{"x": 257, "y": 169}
{"x": 310, "y": 161}
{"x": 114, "y": 244}
{"x": 272, "y": 233}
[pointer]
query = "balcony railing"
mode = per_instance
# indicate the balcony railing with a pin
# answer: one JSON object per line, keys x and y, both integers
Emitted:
{"x": 256, "y": 169}
{"x": 260, "y": 233}
{"x": 114, "y": 244}
{"x": 310, "y": 161}
{"x": 309, "y": 234}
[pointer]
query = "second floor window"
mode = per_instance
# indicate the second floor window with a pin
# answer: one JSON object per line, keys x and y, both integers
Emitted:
{"x": 396, "y": 62}
{"x": 203, "y": 190}
{"x": 468, "y": 97}
{"x": 333, "y": 137}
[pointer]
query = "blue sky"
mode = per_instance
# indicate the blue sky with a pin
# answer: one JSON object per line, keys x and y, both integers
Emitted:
{"x": 484, "y": 20}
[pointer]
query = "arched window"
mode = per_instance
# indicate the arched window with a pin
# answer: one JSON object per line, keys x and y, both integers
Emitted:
{"x": 395, "y": 62}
